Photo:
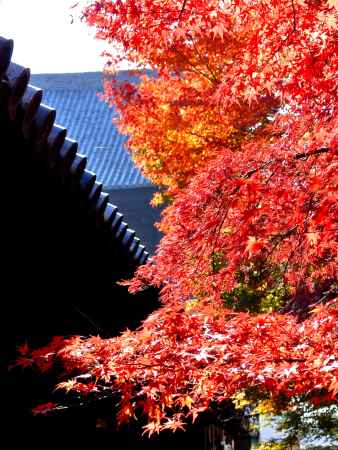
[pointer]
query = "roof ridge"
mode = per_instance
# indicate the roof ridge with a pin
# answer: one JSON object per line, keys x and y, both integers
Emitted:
{"x": 36, "y": 122}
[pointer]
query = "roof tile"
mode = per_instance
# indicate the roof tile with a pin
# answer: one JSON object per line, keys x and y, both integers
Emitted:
{"x": 89, "y": 120}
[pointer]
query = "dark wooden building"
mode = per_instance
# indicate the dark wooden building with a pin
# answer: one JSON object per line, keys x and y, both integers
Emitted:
{"x": 64, "y": 248}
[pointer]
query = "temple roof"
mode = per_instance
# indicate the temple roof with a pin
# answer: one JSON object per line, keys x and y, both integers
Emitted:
{"x": 88, "y": 119}
{"x": 33, "y": 124}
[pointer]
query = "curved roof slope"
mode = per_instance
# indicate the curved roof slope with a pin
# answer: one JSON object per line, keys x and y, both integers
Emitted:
{"x": 34, "y": 124}
{"x": 89, "y": 120}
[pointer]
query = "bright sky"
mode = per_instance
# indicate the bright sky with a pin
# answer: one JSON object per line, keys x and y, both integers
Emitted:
{"x": 45, "y": 40}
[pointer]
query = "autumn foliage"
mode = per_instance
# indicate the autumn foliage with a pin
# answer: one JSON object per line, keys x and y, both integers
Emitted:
{"x": 181, "y": 360}
{"x": 236, "y": 122}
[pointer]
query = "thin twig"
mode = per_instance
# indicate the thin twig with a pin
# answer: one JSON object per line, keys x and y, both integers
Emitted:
{"x": 84, "y": 315}
{"x": 313, "y": 153}
{"x": 294, "y": 16}
{"x": 182, "y": 9}
{"x": 193, "y": 66}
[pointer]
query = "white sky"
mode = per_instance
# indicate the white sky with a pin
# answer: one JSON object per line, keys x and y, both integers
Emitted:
{"x": 45, "y": 40}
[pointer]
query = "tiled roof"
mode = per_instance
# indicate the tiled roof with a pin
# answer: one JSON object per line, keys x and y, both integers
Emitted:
{"x": 89, "y": 120}
{"x": 34, "y": 123}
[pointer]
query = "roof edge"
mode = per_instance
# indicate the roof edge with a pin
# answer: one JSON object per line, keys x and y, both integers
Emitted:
{"x": 36, "y": 123}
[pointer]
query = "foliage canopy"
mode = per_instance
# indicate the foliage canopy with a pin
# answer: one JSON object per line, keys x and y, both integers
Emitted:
{"x": 238, "y": 128}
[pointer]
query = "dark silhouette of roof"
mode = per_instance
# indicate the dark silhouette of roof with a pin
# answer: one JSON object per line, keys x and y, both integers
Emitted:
{"x": 35, "y": 124}
{"x": 65, "y": 247}
{"x": 89, "y": 120}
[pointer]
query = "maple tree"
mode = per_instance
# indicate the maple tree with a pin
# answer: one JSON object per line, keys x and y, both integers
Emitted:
{"x": 187, "y": 130}
{"x": 238, "y": 126}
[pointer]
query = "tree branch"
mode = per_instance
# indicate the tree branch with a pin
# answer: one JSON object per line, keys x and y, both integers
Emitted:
{"x": 294, "y": 16}
{"x": 313, "y": 153}
{"x": 182, "y": 9}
